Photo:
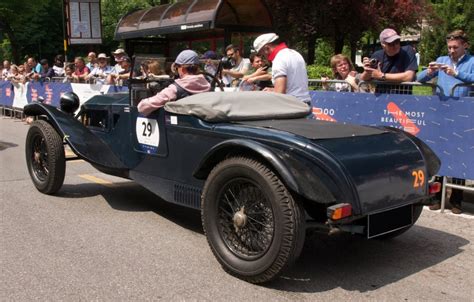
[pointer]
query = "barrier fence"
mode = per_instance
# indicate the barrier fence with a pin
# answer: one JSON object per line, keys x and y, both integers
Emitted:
{"x": 446, "y": 124}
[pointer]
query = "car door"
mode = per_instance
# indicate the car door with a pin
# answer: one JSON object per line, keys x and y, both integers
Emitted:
{"x": 149, "y": 134}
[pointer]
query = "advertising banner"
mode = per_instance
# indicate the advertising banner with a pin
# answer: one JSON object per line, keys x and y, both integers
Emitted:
{"x": 446, "y": 125}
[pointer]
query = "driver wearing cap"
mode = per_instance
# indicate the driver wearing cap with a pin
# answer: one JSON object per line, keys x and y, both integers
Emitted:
{"x": 289, "y": 73}
{"x": 189, "y": 82}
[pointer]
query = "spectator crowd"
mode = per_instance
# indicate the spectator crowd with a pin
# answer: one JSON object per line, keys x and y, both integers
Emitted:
{"x": 96, "y": 69}
{"x": 273, "y": 66}
{"x": 391, "y": 65}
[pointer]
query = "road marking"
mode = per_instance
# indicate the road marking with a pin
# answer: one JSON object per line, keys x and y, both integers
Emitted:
{"x": 97, "y": 180}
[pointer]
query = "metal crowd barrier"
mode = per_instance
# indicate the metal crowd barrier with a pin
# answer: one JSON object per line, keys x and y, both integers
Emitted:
{"x": 315, "y": 84}
{"x": 371, "y": 86}
{"x": 445, "y": 185}
{"x": 471, "y": 91}
{"x": 397, "y": 87}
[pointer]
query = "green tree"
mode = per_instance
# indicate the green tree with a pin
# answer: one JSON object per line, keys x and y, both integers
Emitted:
{"x": 449, "y": 15}
{"x": 343, "y": 22}
{"x": 10, "y": 21}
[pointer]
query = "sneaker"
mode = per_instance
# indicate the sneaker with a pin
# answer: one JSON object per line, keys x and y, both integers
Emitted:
{"x": 435, "y": 206}
{"x": 456, "y": 211}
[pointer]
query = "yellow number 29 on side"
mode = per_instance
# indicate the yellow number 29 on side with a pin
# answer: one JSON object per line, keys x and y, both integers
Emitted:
{"x": 419, "y": 178}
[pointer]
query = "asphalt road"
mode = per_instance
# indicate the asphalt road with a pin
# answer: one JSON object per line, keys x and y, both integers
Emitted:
{"x": 107, "y": 239}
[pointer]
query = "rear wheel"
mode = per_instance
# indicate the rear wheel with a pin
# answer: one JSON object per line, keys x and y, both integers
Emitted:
{"x": 45, "y": 157}
{"x": 253, "y": 225}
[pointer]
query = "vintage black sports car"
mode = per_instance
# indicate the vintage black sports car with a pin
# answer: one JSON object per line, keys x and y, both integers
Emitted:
{"x": 258, "y": 168}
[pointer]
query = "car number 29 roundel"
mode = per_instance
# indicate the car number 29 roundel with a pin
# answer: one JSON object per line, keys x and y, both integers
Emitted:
{"x": 148, "y": 134}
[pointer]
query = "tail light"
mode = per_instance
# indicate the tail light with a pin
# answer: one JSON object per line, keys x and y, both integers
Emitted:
{"x": 434, "y": 187}
{"x": 339, "y": 211}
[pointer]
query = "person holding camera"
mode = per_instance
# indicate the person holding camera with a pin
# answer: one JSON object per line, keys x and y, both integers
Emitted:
{"x": 235, "y": 67}
{"x": 289, "y": 75}
{"x": 455, "y": 68}
{"x": 190, "y": 82}
{"x": 393, "y": 63}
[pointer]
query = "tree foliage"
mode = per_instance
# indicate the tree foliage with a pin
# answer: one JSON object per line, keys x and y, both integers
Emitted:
{"x": 449, "y": 15}
{"x": 113, "y": 10}
{"x": 344, "y": 21}
{"x": 318, "y": 28}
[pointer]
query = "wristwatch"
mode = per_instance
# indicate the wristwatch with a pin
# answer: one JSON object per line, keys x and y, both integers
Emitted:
{"x": 383, "y": 77}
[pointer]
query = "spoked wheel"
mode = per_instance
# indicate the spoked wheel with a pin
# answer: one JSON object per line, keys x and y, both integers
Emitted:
{"x": 45, "y": 157}
{"x": 253, "y": 225}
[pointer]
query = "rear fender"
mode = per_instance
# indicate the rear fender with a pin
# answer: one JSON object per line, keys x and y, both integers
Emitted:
{"x": 433, "y": 163}
{"x": 82, "y": 141}
{"x": 300, "y": 179}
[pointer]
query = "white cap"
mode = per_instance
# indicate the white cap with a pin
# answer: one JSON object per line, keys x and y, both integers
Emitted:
{"x": 263, "y": 40}
{"x": 102, "y": 56}
{"x": 119, "y": 51}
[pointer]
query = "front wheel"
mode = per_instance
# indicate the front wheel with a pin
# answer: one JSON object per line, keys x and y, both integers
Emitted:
{"x": 45, "y": 158}
{"x": 253, "y": 225}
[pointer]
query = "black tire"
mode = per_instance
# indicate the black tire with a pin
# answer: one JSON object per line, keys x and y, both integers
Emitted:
{"x": 417, "y": 209}
{"x": 45, "y": 157}
{"x": 270, "y": 234}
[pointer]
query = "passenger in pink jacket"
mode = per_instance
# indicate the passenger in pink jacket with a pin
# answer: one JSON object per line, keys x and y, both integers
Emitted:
{"x": 189, "y": 82}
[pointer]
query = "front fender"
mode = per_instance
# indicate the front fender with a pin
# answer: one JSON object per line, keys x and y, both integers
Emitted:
{"x": 82, "y": 141}
{"x": 293, "y": 173}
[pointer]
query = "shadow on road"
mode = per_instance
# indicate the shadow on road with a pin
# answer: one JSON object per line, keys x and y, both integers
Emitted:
{"x": 327, "y": 262}
{"x": 356, "y": 264}
{"x": 131, "y": 197}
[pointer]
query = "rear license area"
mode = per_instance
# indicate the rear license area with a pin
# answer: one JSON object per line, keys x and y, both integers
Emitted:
{"x": 389, "y": 221}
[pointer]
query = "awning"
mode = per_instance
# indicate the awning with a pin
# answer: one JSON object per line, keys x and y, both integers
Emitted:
{"x": 195, "y": 15}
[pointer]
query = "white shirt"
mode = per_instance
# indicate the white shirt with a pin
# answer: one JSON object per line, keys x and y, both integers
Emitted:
{"x": 290, "y": 63}
{"x": 243, "y": 67}
{"x": 58, "y": 71}
{"x": 5, "y": 73}
{"x": 100, "y": 73}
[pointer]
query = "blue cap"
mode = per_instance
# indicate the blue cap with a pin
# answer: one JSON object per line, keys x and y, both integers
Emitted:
{"x": 187, "y": 57}
{"x": 209, "y": 55}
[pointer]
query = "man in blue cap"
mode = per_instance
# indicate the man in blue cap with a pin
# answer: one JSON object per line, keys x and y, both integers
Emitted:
{"x": 189, "y": 82}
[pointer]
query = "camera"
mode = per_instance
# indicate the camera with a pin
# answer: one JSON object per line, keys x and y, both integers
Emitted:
{"x": 374, "y": 63}
{"x": 227, "y": 63}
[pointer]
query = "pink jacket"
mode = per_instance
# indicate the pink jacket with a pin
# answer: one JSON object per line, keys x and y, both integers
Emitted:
{"x": 191, "y": 83}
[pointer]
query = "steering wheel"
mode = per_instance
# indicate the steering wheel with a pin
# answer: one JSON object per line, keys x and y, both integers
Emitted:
{"x": 214, "y": 81}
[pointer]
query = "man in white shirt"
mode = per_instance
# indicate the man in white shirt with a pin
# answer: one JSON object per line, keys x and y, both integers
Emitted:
{"x": 101, "y": 72}
{"x": 241, "y": 66}
{"x": 289, "y": 73}
{"x": 119, "y": 54}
